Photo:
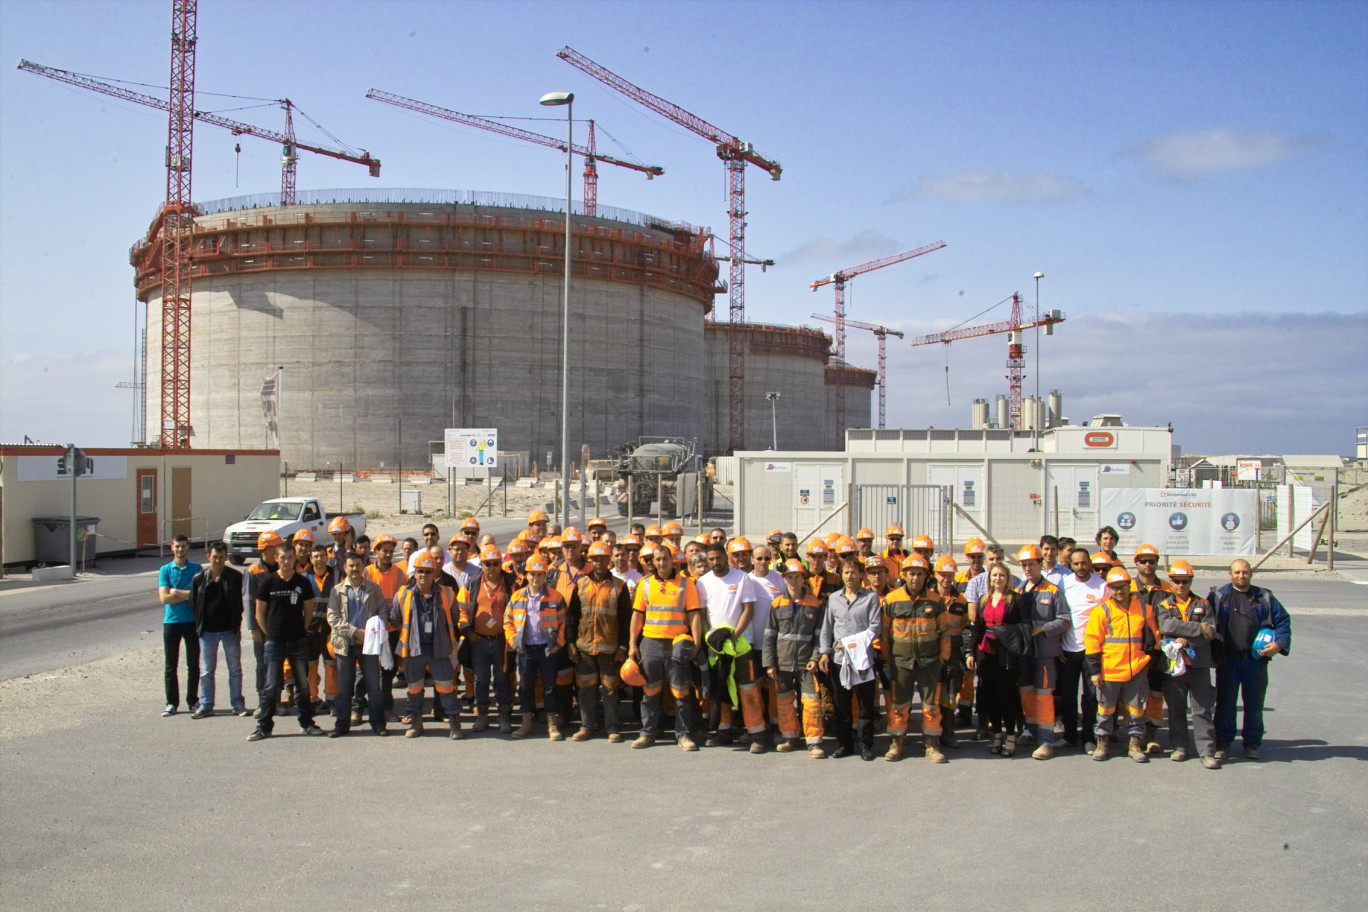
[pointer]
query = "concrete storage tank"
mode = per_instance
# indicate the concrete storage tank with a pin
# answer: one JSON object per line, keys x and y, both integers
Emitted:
{"x": 784, "y": 359}
{"x": 858, "y": 383}
{"x": 396, "y": 314}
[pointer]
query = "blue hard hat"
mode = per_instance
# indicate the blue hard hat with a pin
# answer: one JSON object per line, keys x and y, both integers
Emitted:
{"x": 1263, "y": 639}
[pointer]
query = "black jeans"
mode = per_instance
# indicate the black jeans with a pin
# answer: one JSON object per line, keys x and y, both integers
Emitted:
{"x": 347, "y": 680}
{"x": 863, "y": 727}
{"x": 172, "y": 635}
{"x": 1073, "y": 670}
{"x": 276, "y": 652}
{"x": 259, "y": 653}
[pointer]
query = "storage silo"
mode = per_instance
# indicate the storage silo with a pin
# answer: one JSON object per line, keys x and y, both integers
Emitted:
{"x": 400, "y": 313}
{"x": 787, "y": 360}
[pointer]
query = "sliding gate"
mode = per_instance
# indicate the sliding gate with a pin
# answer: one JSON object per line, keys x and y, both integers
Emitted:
{"x": 919, "y": 509}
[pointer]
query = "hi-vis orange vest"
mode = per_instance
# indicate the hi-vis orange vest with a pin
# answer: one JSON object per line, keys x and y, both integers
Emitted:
{"x": 445, "y": 598}
{"x": 666, "y": 604}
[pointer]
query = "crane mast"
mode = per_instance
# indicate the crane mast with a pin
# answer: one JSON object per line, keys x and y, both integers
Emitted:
{"x": 735, "y": 155}
{"x": 177, "y": 225}
{"x": 881, "y": 333}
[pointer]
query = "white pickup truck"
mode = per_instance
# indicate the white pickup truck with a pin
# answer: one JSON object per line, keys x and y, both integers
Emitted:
{"x": 284, "y": 516}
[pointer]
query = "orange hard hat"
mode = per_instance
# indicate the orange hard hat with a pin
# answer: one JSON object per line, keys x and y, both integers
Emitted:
{"x": 517, "y": 546}
{"x": 894, "y": 531}
{"x": 269, "y": 539}
{"x": 424, "y": 561}
{"x": 702, "y": 540}
{"x": 864, "y": 535}
{"x": 631, "y": 541}
{"x": 339, "y": 524}
{"x": 303, "y": 535}
{"x": 1180, "y": 568}
{"x": 874, "y": 562}
{"x": 674, "y": 550}
{"x": 1029, "y": 552}
{"x": 386, "y": 539}
{"x": 973, "y": 546}
{"x": 831, "y": 538}
{"x": 470, "y": 524}
{"x": 816, "y": 546}
{"x": 654, "y": 531}
{"x": 537, "y": 516}
{"x": 597, "y": 523}
{"x": 631, "y": 675}
{"x": 916, "y": 562}
{"x": 550, "y": 543}
{"x": 846, "y": 545}
{"x": 536, "y": 565}
{"x": 792, "y": 565}
{"x": 739, "y": 545}
{"x": 459, "y": 539}
{"x": 1118, "y": 575}
{"x": 571, "y": 535}
{"x": 490, "y": 553}
{"x": 599, "y": 549}
{"x": 673, "y": 528}
{"x": 946, "y": 564}
{"x": 1102, "y": 559}
{"x": 923, "y": 543}
{"x": 1147, "y": 551}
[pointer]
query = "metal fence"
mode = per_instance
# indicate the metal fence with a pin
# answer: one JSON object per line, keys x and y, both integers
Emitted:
{"x": 919, "y": 509}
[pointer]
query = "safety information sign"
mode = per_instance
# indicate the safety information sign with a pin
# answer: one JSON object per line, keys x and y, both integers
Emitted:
{"x": 472, "y": 448}
{"x": 1183, "y": 521}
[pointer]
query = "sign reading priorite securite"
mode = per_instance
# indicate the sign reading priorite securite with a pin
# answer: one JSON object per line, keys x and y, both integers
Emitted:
{"x": 472, "y": 448}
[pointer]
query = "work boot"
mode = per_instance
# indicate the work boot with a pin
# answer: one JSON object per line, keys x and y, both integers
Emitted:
{"x": 1100, "y": 752}
{"x": 588, "y": 703}
{"x": 614, "y": 736}
{"x": 948, "y": 737}
{"x": 415, "y": 729}
{"x": 454, "y": 729}
{"x": 686, "y": 743}
{"x": 1044, "y": 752}
{"x": 895, "y": 749}
{"x": 553, "y": 727}
{"x": 784, "y": 746}
{"x": 1137, "y": 749}
{"x": 1152, "y": 738}
{"x": 757, "y": 745}
{"x": 723, "y": 737}
{"x": 525, "y": 728}
{"x": 505, "y": 718}
{"x": 933, "y": 752}
{"x": 584, "y": 734}
{"x": 643, "y": 740}
{"x": 481, "y": 719}
{"x": 1211, "y": 762}
{"x": 1178, "y": 756}
{"x": 816, "y": 752}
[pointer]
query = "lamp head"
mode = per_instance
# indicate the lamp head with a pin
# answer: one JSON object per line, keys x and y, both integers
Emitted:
{"x": 551, "y": 99}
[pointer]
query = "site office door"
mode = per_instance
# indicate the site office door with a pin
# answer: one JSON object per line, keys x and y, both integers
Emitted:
{"x": 1075, "y": 486}
{"x": 817, "y": 490}
{"x": 146, "y": 494}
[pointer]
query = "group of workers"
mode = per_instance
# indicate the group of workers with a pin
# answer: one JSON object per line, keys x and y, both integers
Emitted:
{"x": 757, "y": 643}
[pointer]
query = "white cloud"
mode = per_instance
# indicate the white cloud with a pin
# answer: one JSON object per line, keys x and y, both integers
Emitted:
{"x": 1188, "y": 156}
{"x": 999, "y": 187}
{"x": 866, "y": 245}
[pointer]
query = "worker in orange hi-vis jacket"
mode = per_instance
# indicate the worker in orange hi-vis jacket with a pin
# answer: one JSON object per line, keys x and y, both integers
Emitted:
{"x": 666, "y": 628}
{"x": 915, "y": 641}
{"x": 1152, "y": 590}
{"x": 1120, "y": 634}
{"x": 600, "y": 619}
{"x": 428, "y": 639}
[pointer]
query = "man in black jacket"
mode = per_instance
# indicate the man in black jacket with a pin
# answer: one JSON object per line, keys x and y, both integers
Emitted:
{"x": 216, "y": 599}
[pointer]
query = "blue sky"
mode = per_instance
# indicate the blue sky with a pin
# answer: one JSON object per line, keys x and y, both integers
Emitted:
{"x": 1189, "y": 177}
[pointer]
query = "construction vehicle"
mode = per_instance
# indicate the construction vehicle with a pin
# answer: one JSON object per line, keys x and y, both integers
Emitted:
{"x": 659, "y": 477}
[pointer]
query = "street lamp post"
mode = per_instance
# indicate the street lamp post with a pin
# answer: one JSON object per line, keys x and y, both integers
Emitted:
{"x": 568, "y": 99}
{"x": 774, "y": 420}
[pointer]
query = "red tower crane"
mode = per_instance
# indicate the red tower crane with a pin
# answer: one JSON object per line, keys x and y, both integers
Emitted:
{"x": 1016, "y": 349}
{"x": 176, "y": 222}
{"x": 589, "y": 152}
{"x": 289, "y": 146}
{"x": 839, "y": 279}
{"x": 882, "y": 333}
{"x": 735, "y": 155}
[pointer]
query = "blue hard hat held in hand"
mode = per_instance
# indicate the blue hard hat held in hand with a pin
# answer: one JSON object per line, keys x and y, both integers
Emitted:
{"x": 1262, "y": 640}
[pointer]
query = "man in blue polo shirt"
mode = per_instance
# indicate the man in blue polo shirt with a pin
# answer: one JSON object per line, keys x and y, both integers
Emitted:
{"x": 178, "y": 624}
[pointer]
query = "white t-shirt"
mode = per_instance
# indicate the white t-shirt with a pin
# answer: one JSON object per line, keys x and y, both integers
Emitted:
{"x": 773, "y": 586}
{"x": 1082, "y": 598}
{"x": 631, "y": 578}
{"x": 722, "y": 598}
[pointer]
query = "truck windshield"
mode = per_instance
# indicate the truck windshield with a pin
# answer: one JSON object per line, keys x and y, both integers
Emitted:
{"x": 276, "y": 511}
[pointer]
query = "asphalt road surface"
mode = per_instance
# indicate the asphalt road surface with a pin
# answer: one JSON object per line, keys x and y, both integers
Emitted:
{"x": 106, "y": 804}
